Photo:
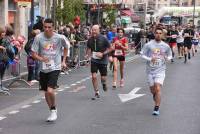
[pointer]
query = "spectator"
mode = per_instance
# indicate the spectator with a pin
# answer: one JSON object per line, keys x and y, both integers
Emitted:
{"x": 32, "y": 64}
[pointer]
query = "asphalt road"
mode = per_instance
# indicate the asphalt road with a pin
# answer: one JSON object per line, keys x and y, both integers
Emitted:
{"x": 25, "y": 111}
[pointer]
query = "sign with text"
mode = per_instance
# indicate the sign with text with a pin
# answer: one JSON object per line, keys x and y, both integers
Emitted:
{"x": 24, "y": 3}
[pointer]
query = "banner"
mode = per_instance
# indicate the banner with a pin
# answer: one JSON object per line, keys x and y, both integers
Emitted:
{"x": 24, "y": 3}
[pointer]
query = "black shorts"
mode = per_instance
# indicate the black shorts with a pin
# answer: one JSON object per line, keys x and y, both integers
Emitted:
{"x": 120, "y": 58}
{"x": 48, "y": 80}
{"x": 101, "y": 67}
{"x": 188, "y": 44}
{"x": 180, "y": 45}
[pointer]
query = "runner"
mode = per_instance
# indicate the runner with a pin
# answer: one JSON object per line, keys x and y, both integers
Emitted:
{"x": 188, "y": 34}
{"x": 180, "y": 41}
{"x": 195, "y": 42}
{"x": 172, "y": 35}
{"x": 156, "y": 52}
{"x": 99, "y": 47}
{"x": 120, "y": 44}
{"x": 47, "y": 48}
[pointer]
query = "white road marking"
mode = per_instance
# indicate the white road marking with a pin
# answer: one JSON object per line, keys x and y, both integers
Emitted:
{"x": 78, "y": 82}
{"x": 13, "y": 112}
{"x": 60, "y": 90}
{"x": 36, "y": 101}
{"x": 131, "y": 95}
{"x": 1, "y": 118}
{"x": 73, "y": 84}
{"x": 25, "y": 106}
{"x": 67, "y": 87}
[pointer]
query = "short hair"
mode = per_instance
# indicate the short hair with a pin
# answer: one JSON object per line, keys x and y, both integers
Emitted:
{"x": 2, "y": 30}
{"x": 118, "y": 29}
{"x": 158, "y": 28}
{"x": 9, "y": 30}
{"x": 48, "y": 20}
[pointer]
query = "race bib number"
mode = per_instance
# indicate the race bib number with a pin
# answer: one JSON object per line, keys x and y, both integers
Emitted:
{"x": 174, "y": 36}
{"x": 187, "y": 34}
{"x": 157, "y": 63}
{"x": 94, "y": 55}
{"x": 48, "y": 65}
{"x": 118, "y": 52}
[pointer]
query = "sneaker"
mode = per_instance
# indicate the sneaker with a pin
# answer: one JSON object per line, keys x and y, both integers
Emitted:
{"x": 96, "y": 96}
{"x": 121, "y": 83}
{"x": 52, "y": 116}
{"x": 114, "y": 85}
{"x": 105, "y": 88}
{"x": 156, "y": 113}
{"x": 34, "y": 81}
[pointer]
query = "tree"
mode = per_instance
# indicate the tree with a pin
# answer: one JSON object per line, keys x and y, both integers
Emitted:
{"x": 71, "y": 8}
{"x": 110, "y": 11}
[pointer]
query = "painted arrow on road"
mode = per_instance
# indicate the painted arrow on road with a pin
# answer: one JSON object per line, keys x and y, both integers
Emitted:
{"x": 131, "y": 95}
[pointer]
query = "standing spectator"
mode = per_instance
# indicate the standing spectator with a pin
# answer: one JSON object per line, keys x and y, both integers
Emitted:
{"x": 32, "y": 64}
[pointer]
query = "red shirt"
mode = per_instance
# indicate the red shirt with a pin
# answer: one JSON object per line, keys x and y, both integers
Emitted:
{"x": 119, "y": 49}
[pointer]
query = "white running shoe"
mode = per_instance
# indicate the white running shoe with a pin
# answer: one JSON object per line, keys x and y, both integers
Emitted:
{"x": 52, "y": 116}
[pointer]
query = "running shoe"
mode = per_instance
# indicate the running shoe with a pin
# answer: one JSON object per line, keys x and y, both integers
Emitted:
{"x": 121, "y": 83}
{"x": 114, "y": 85}
{"x": 156, "y": 113}
{"x": 53, "y": 116}
{"x": 96, "y": 96}
{"x": 105, "y": 88}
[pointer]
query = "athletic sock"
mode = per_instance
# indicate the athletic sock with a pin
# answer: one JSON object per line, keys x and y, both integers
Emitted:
{"x": 156, "y": 108}
{"x": 53, "y": 108}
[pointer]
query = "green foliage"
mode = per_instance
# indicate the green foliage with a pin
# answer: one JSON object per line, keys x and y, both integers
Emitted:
{"x": 71, "y": 8}
{"x": 111, "y": 13}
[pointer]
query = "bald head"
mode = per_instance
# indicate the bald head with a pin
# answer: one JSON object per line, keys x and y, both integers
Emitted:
{"x": 95, "y": 30}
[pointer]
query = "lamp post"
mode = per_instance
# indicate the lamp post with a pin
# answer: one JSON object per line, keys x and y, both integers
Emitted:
{"x": 32, "y": 13}
{"x": 98, "y": 19}
{"x": 194, "y": 3}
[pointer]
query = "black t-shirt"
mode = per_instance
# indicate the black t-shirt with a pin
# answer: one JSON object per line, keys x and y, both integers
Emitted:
{"x": 99, "y": 44}
{"x": 150, "y": 35}
{"x": 189, "y": 32}
{"x": 173, "y": 35}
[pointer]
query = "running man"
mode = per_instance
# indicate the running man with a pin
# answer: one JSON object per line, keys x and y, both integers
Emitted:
{"x": 188, "y": 34}
{"x": 156, "y": 52}
{"x": 47, "y": 48}
{"x": 98, "y": 47}
{"x": 120, "y": 45}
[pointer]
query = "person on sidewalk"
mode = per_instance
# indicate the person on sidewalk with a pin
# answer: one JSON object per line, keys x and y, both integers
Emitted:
{"x": 98, "y": 47}
{"x": 156, "y": 52}
{"x": 32, "y": 64}
{"x": 47, "y": 48}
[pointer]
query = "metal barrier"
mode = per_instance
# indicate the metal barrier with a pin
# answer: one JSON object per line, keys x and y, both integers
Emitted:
{"x": 77, "y": 54}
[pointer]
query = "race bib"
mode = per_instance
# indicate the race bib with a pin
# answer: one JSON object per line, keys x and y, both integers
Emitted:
{"x": 157, "y": 63}
{"x": 94, "y": 55}
{"x": 187, "y": 34}
{"x": 174, "y": 36}
{"x": 48, "y": 65}
{"x": 118, "y": 52}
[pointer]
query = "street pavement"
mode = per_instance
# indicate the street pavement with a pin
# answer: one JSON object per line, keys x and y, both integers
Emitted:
{"x": 25, "y": 110}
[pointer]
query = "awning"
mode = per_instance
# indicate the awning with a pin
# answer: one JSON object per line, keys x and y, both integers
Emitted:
{"x": 126, "y": 20}
{"x": 126, "y": 12}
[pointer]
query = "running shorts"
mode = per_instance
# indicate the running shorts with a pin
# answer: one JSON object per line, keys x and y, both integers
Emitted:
{"x": 48, "y": 80}
{"x": 156, "y": 78}
{"x": 102, "y": 68}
